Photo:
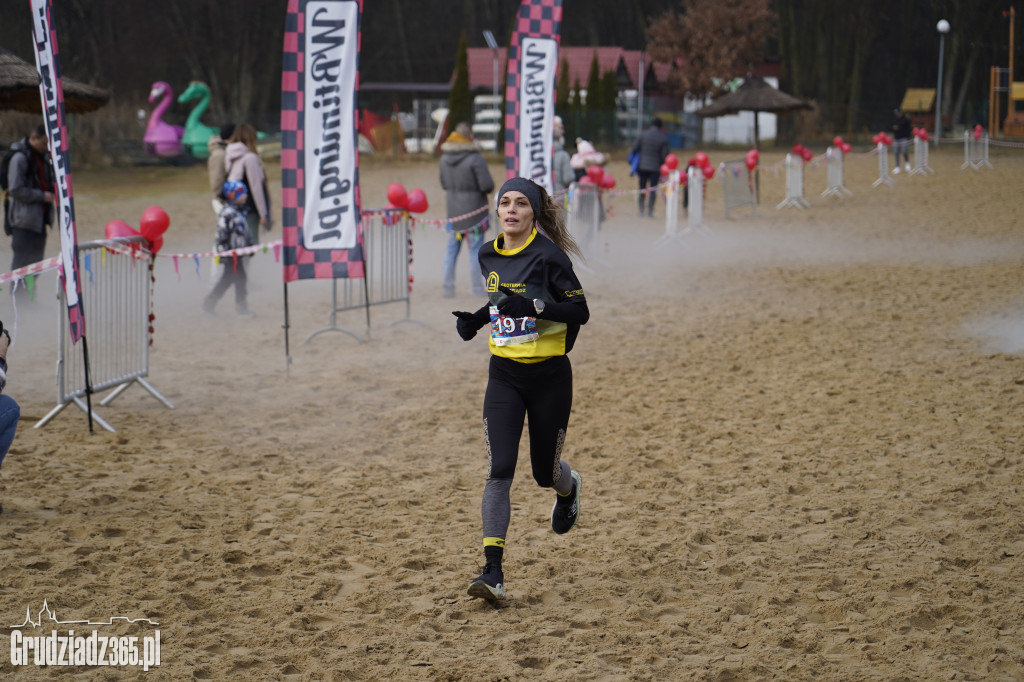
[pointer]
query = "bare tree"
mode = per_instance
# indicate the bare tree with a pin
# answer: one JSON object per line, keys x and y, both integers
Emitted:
{"x": 712, "y": 39}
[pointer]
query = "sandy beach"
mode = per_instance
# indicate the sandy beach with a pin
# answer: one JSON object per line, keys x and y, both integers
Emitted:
{"x": 799, "y": 432}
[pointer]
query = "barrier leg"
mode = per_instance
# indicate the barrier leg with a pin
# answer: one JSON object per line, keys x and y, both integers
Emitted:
{"x": 333, "y": 324}
{"x": 77, "y": 401}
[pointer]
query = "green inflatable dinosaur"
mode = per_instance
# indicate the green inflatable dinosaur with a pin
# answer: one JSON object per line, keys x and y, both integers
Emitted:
{"x": 197, "y": 134}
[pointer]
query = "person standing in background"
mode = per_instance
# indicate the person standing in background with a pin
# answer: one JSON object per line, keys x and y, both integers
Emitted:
{"x": 242, "y": 163}
{"x": 901, "y": 139}
{"x": 232, "y": 233}
{"x": 652, "y": 146}
{"x": 466, "y": 182}
{"x": 30, "y": 186}
{"x": 563, "y": 173}
{"x": 215, "y": 167}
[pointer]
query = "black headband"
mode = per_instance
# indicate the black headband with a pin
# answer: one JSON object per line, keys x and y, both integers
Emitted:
{"x": 529, "y": 188}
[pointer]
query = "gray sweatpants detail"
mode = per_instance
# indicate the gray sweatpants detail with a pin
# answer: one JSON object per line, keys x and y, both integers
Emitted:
{"x": 563, "y": 479}
{"x": 496, "y": 507}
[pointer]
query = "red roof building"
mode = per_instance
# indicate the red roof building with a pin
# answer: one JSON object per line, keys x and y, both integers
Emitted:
{"x": 624, "y": 62}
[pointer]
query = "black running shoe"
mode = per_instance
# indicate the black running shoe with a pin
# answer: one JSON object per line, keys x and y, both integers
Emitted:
{"x": 566, "y": 511}
{"x": 489, "y": 585}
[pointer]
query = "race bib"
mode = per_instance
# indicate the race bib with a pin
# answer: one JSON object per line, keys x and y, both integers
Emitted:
{"x": 508, "y": 331}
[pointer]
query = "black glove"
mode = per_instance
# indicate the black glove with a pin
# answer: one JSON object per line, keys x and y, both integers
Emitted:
{"x": 514, "y": 305}
{"x": 467, "y": 324}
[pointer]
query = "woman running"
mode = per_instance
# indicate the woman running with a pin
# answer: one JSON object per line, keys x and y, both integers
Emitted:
{"x": 535, "y": 309}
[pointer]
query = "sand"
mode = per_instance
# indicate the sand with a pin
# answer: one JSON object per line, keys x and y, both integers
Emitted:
{"x": 799, "y": 434}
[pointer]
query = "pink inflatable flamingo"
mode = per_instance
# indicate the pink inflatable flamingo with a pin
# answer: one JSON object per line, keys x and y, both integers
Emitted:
{"x": 162, "y": 139}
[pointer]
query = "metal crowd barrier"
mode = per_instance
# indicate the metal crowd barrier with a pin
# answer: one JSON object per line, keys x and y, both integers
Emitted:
{"x": 695, "y": 200}
{"x": 921, "y": 166}
{"x": 583, "y": 218}
{"x": 737, "y": 186}
{"x": 116, "y": 296}
{"x": 794, "y": 166}
{"x": 834, "y": 165}
{"x": 883, "y": 167}
{"x": 673, "y": 197}
{"x": 387, "y": 247}
{"x": 975, "y": 151}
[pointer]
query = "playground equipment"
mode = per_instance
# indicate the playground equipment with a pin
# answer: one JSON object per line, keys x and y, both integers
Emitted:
{"x": 197, "y": 134}
{"x": 161, "y": 139}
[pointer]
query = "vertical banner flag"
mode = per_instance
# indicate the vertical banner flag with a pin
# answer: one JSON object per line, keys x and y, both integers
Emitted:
{"x": 320, "y": 140}
{"x": 530, "y": 92}
{"x": 51, "y": 92}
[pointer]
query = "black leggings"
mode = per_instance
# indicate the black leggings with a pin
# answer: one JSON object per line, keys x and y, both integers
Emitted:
{"x": 543, "y": 392}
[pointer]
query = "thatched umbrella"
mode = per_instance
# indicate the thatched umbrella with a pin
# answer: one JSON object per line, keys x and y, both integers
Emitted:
{"x": 19, "y": 88}
{"x": 754, "y": 95}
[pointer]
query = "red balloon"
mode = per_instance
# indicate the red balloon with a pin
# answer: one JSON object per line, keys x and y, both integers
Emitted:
{"x": 672, "y": 161}
{"x": 156, "y": 245}
{"x": 807, "y": 154}
{"x": 397, "y": 195}
{"x": 119, "y": 228}
{"x": 846, "y": 147}
{"x": 154, "y": 222}
{"x": 709, "y": 171}
{"x": 837, "y": 141}
{"x": 585, "y": 180}
{"x": 608, "y": 182}
{"x": 751, "y": 162}
{"x": 977, "y": 132}
{"x": 417, "y": 201}
{"x": 595, "y": 173}
{"x": 702, "y": 159}
{"x": 665, "y": 170}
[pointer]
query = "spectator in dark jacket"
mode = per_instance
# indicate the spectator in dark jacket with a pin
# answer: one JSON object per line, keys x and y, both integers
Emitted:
{"x": 901, "y": 136}
{"x": 30, "y": 184}
{"x": 467, "y": 182}
{"x": 653, "y": 148}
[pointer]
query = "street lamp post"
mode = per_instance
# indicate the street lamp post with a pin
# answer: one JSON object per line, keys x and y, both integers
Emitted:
{"x": 943, "y": 28}
{"x": 491, "y": 43}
